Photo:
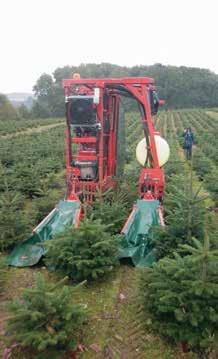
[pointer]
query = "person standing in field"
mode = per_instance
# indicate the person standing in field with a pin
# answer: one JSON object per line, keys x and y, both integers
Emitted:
{"x": 188, "y": 142}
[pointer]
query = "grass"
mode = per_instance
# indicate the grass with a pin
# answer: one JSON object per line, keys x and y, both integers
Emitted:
{"x": 116, "y": 325}
{"x": 212, "y": 114}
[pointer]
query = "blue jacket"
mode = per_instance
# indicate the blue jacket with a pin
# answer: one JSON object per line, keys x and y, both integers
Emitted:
{"x": 188, "y": 139}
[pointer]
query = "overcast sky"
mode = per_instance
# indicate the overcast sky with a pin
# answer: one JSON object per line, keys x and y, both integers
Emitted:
{"x": 38, "y": 36}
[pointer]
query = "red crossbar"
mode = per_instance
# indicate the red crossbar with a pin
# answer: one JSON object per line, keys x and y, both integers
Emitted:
{"x": 106, "y": 81}
{"x": 84, "y": 158}
{"x": 84, "y": 139}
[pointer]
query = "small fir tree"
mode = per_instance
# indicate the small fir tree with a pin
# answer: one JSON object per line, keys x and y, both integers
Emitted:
{"x": 111, "y": 208}
{"x": 129, "y": 184}
{"x": 185, "y": 212}
{"x": 13, "y": 222}
{"x": 2, "y": 274}
{"x": 180, "y": 295}
{"x": 173, "y": 166}
{"x": 201, "y": 164}
{"x": 211, "y": 184}
{"x": 46, "y": 317}
{"x": 88, "y": 252}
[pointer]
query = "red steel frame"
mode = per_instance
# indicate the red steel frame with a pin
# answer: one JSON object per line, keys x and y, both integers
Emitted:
{"x": 151, "y": 179}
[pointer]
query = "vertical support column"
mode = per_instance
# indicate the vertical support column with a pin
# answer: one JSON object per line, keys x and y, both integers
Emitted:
{"x": 150, "y": 126}
{"x": 100, "y": 113}
{"x": 112, "y": 146}
{"x": 68, "y": 145}
{"x": 116, "y": 120}
{"x": 110, "y": 142}
{"x": 68, "y": 159}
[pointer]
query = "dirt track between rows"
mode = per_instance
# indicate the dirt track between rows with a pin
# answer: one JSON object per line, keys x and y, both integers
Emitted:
{"x": 29, "y": 131}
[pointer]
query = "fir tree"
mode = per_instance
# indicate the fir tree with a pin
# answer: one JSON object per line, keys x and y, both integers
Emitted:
{"x": 111, "y": 208}
{"x": 88, "y": 252}
{"x": 185, "y": 212}
{"x": 2, "y": 274}
{"x": 201, "y": 164}
{"x": 46, "y": 317}
{"x": 211, "y": 184}
{"x": 129, "y": 184}
{"x": 180, "y": 295}
{"x": 13, "y": 222}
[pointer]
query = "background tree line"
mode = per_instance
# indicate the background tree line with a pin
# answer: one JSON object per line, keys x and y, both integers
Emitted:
{"x": 9, "y": 112}
{"x": 181, "y": 87}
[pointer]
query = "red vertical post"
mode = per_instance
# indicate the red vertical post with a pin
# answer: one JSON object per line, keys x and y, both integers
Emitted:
{"x": 110, "y": 141}
{"x": 68, "y": 150}
{"x": 68, "y": 159}
{"x": 150, "y": 126}
{"x": 100, "y": 113}
{"x": 116, "y": 120}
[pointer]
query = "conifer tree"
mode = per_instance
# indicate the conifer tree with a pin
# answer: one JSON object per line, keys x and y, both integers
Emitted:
{"x": 180, "y": 295}
{"x": 13, "y": 222}
{"x": 45, "y": 317}
{"x": 88, "y": 252}
{"x": 185, "y": 212}
{"x": 201, "y": 164}
{"x": 2, "y": 274}
{"x": 111, "y": 208}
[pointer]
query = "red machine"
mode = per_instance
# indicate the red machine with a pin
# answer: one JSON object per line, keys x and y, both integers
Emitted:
{"x": 92, "y": 112}
{"x": 92, "y": 153}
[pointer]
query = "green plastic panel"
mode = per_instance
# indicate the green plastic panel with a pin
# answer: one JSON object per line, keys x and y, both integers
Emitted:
{"x": 136, "y": 237}
{"x": 31, "y": 250}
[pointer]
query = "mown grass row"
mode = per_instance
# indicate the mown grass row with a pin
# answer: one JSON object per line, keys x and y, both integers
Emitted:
{"x": 8, "y": 127}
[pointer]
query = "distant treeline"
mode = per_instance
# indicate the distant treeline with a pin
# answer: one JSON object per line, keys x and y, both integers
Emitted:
{"x": 180, "y": 87}
{"x": 9, "y": 112}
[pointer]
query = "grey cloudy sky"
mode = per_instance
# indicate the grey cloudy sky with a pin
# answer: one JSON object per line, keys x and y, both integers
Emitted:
{"x": 40, "y": 35}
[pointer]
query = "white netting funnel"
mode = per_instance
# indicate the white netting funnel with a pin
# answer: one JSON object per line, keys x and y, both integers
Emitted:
{"x": 163, "y": 150}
